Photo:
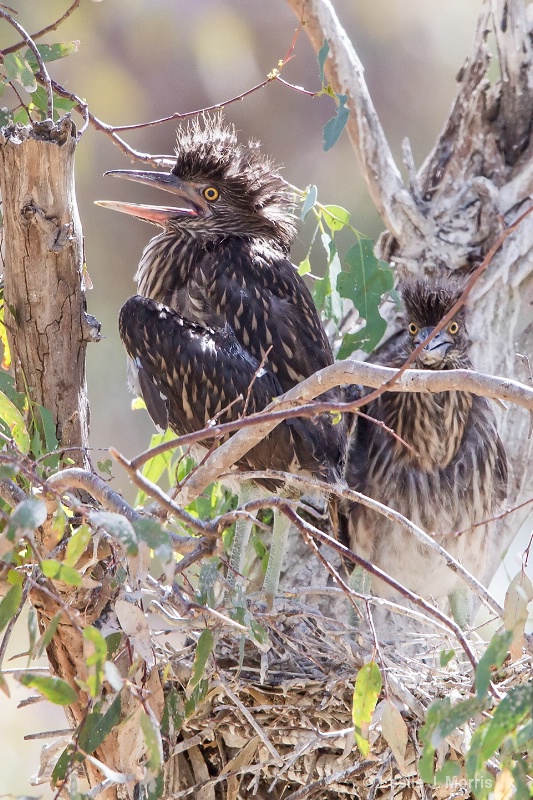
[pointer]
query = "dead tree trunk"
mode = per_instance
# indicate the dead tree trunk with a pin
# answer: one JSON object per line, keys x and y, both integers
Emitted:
{"x": 48, "y": 330}
{"x": 477, "y": 179}
{"x": 45, "y": 317}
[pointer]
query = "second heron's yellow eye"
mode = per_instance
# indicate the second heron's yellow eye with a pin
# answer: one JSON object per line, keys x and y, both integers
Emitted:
{"x": 413, "y": 329}
{"x": 453, "y": 327}
{"x": 211, "y": 194}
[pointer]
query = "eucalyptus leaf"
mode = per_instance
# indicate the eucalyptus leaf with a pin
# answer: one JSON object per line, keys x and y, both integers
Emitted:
{"x": 56, "y": 690}
{"x": 365, "y": 696}
{"x": 336, "y": 125}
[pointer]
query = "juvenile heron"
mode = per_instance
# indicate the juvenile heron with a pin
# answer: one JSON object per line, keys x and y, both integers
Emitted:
{"x": 222, "y": 322}
{"x": 453, "y": 478}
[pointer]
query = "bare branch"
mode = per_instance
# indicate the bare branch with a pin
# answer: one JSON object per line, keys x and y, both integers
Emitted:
{"x": 306, "y": 484}
{"x": 307, "y": 529}
{"x": 76, "y": 478}
{"x": 346, "y": 75}
{"x": 340, "y": 374}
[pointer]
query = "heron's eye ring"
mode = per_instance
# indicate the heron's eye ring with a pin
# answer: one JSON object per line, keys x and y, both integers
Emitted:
{"x": 453, "y": 327}
{"x": 413, "y": 329}
{"x": 211, "y": 194}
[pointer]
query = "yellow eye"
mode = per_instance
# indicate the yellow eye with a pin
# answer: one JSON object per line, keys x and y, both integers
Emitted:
{"x": 211, "y": 194}
{"x": 413, "y": 329}
{"x": 453, "y": 327}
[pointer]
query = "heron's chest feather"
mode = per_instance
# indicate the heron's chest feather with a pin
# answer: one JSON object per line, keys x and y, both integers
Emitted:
{"x": 433, "y": 425}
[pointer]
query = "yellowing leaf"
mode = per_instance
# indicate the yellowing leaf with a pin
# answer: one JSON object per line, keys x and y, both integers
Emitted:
{"x": 504, "y": 788}
{"x": 365, "y": 697}
{"x": 15, "y": 422}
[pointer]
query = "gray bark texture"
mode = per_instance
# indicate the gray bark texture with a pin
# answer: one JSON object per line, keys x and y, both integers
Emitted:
{"x": 476, "y": 181}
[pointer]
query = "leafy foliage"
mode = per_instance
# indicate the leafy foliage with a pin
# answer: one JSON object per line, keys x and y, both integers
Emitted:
{"x": 503, "y": 733}
{"x": 353, "y": 284}
{"x": 19, "y": 69}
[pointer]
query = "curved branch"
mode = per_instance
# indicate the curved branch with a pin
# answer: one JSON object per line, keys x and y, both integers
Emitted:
{"x": 76, "y": 478}
{"x": 307, "y": 484}
{"x": 346, "y": 75}
{"x": 343, "y": 373}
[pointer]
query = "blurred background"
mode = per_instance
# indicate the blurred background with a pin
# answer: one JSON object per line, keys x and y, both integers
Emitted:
{"x": 143, "y": 59}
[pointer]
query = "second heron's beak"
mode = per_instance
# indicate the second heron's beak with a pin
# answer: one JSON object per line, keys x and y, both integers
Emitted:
{"x": 434, "y": 353}
{"x": 159, "y": 215}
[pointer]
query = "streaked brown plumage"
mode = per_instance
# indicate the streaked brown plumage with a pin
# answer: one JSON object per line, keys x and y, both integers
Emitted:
{"x": 220, "y": 306}
{"x": 456, "y": 479}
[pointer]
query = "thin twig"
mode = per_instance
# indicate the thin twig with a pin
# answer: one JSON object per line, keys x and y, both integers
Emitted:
{"x": 356, "y": 497}
{"x": 45, "y": 77}
{"x": 49, "y": 28}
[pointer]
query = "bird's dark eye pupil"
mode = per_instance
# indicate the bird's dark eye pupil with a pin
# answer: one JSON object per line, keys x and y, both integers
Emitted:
{"x": 413, "y": 329}
{"x": 211, "y": 193}
{"x": 454, "y": 327}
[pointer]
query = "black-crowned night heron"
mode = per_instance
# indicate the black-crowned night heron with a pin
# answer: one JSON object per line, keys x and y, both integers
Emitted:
{"x": 222, "y": 322}
{"x": 453, "y": 478}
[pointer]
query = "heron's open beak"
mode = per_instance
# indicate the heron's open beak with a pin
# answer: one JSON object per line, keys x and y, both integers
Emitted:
{"x": 435, "y": 351}
{"x": 159, "y": 215}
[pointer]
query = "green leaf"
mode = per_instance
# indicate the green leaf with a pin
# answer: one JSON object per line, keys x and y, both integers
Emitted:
{"x": 47, "y": 428}
{"x": 335, "y": 217}
{"x": 325, "y": 294}
{"x": 96, "y": 727}
{"x": 156, "y": 467}
{"x": 493, "y": 657}
{"x": 156, "y": 537}
{"x": 508, "y": 715}
{"x": 48, "y": 635}
{"x": 19, "y": 70}
{"x": 62, "y": 766}
{"x": 335, "y": 126}
{"x": 105, "y": 466}
{"x": 322, "y": 55}
{"x": 9, "y": 470}
{"x": 454, "y": 716}
{"x": 26, "y": 517}
{"x": 118, "y": 526}
{"x": 57, "y": 571}
{"x": 95, "y": 649}
{"x": 56, "y": 690}
{"x": 5, "y": 119}
{"x": 51, "y": 52}
{"x": 77, "y": 545}
{"x": 9, "y": 605}
{"x": 173, "y": 715}
{"x": 445, "y": 657}
{"x": 198, "y": 694}
{"x": 304, "y": 267}
{"x": 435, "y": 712}
{"x": 33, "y": 629}
{"x": 450, "y": 769}
{"x": 154, "y": 746}
{"x": 364, "y": 283}
{"x": 365, "y": 697}
{"x": 309, "y": 202}
{"x": 203, "y": 651}
{"x": 15, "y": 422}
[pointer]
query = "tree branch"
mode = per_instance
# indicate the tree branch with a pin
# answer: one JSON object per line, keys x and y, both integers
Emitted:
{"x": 346, "y": 76}
{"x": 343, "y": 373}
{"x": 307, "y": 484}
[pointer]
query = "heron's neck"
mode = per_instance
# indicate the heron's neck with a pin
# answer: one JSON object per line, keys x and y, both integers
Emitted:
{"x": 432, "y": 424}
{"x": 166, "y": 264}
